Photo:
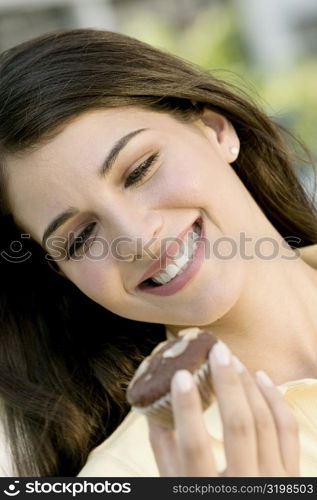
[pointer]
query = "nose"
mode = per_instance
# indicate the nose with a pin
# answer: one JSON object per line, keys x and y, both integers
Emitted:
{"x": 136, "y": 236}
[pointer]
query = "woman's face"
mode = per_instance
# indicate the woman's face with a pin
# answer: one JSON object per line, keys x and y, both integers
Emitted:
{"x": 189, "y": 176}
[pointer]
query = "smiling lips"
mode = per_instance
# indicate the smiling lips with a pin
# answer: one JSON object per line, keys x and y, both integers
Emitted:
{"x": 170, "y": 252}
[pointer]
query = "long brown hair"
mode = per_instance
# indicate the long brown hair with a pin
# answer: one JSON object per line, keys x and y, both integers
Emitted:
{"x": 65, "y": 361}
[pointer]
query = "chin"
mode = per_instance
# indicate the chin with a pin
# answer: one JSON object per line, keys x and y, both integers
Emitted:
{"x": 211, "y": 303}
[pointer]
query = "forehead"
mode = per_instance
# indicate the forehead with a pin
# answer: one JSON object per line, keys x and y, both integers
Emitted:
{"x": 39, "y": 179}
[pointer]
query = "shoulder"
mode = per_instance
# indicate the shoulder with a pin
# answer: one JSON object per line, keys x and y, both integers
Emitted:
{"x": 126, "y": 453}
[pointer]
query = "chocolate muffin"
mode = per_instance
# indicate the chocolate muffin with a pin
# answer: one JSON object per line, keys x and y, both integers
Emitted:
{"x": 149, "y": 389}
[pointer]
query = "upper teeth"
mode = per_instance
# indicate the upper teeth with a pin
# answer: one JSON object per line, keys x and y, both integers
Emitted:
{"x": 171, "y": 270}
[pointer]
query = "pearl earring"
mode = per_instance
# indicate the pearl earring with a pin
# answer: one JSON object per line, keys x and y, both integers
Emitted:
{"x": 234, "y": 150}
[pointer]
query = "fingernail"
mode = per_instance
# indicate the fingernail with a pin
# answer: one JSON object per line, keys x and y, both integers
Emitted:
{"x": 263, "y": 378}
{"x": 183, "y": 381}
{"x": 237, "y": 364}
{"x": 221, "y": 354}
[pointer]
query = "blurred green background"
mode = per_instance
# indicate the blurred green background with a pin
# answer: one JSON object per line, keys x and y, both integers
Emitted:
{"x": 268, "y": 47}
{"x": 220, "y": 38}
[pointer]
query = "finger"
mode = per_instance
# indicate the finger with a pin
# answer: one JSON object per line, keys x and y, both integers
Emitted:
{"x": 286, "y": 424}
{"x": 237, "y": 419}
{"x": 269, "y": 455}
{"x": 193, "y": 439}
{"x": 165, "y": 451}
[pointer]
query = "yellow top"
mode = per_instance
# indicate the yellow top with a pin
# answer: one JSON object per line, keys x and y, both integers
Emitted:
{"x": 127, "y": 452}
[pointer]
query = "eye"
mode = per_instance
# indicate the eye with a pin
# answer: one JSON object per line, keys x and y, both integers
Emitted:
{"x": 138, "y": 173}
{"x": 80, "y": 240}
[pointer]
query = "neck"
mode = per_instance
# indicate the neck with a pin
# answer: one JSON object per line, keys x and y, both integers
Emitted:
{"x": 273, "y": 326}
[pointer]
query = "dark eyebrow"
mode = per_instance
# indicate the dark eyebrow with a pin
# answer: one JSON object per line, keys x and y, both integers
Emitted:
{"x": 59, "y": 221}
{"x": 115, "y": 150}
{"x": 105, "y": 169}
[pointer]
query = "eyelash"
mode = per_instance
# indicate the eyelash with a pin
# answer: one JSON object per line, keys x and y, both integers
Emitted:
{"x": 80, "y": 240}
{"x": 141, "y": 171}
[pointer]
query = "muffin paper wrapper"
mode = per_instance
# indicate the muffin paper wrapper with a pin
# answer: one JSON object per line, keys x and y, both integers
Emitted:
{"x": 161, "y": 410}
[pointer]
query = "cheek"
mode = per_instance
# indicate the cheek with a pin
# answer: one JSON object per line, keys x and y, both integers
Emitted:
{"x": 201, "y": 181}
{"x": 192, "y": 177}
{"x": 208, "y": 182}
{"x": 184, "y": 180}
{"x": 98, "y": 281}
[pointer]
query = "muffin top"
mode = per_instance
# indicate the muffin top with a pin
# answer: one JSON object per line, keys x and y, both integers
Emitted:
{"x": 153, "y": 377}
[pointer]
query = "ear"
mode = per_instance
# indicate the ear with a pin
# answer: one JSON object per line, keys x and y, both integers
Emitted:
{"x": 222, "y": 133}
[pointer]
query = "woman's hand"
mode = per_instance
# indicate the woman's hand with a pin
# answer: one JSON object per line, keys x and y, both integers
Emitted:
{"x": 260, "y": 431}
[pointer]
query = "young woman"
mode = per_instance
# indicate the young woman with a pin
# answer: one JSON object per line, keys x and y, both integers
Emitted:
{"x": 109, "y": 148}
